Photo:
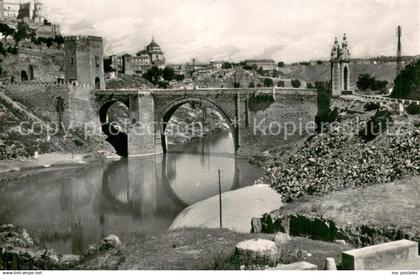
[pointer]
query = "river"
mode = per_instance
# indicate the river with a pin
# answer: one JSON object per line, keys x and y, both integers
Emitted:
{"x": 67, "y": 209}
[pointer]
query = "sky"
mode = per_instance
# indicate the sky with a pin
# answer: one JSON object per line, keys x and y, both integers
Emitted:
{"x": 234, "y": 30}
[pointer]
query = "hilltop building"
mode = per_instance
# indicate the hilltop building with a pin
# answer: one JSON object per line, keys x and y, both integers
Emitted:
{"x": 265, "y": 64}
{"x": 152, "y": 55}
{"x": 11, "y": 11}
{"x": 340, "y": 68}
{"x": 19, "y": 9}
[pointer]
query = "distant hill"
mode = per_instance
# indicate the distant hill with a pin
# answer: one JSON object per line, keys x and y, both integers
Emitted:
{"x": 322, "y": 72}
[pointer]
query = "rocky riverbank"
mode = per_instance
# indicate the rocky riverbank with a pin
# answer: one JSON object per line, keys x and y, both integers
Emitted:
{"x": 192, "y": 249}
{"x": 341, "y": 159}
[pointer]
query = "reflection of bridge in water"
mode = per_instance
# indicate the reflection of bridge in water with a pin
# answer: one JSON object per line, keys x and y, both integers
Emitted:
{"x": 151, "y": 186}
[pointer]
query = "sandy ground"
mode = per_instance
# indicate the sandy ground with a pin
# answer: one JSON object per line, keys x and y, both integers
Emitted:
{"x": 43, "y": 161}
{"x": 238, "y": 206}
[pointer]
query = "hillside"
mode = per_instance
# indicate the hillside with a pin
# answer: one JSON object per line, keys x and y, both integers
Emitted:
{"x": 322, "y": 72}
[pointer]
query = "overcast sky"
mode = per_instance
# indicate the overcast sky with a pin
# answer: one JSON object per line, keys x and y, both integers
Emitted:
{"x": 287, "y": 30}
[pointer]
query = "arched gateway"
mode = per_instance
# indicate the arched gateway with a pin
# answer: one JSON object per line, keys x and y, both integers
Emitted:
{"x": 249, "y": 113}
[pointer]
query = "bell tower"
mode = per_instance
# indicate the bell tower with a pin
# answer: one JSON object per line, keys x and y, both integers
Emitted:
{"x": 340, "y": 67}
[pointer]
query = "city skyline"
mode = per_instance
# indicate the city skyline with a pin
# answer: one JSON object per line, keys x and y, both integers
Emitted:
{"x": 241, "y": 29}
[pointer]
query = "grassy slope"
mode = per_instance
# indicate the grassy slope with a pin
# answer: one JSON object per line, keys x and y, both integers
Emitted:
{"x": 204, "y": 249}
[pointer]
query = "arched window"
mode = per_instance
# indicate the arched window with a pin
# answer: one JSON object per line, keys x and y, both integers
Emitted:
{"x": 346, "y": 78}
{"x": 24, "y": 76}
{"x": 97, "y": 83}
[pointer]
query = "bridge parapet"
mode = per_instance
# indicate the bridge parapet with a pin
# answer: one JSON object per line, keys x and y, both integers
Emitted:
{"x": 212, "y": 91}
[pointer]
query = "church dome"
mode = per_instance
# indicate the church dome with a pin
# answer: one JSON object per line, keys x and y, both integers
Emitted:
{"x": 153, "y": 47}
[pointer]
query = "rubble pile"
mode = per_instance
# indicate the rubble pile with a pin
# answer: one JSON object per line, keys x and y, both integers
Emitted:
{"x": 338, "y": 160}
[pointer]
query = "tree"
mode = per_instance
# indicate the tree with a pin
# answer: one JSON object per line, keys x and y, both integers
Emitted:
{"x": 168, "y": 73}
{"x": 407, "y": 83}
{"x": 280, "y": 64}
{"x": 236, "y": 84}
{"x": 251, "y": 84}
{"x": 365, "y": 82}
{"x": 268, "y": 82}
{"x": 280, "y": 83}
{"x": 227, "y": 65}
{"x": 260, "y": 71}
{"x": 276, "y": 73}
{"x": 296, "y": 83}
{"x": 23, "y": 32}
{"x": 6, "y": 30}
{"x": 153, "y": 74}
{"x": 309, "y": 85}
{"x": 59, "y": 107}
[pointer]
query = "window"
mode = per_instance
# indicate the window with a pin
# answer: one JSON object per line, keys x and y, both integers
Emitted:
{"x": 97, "y": 61}
{"x": 71, "y": 60}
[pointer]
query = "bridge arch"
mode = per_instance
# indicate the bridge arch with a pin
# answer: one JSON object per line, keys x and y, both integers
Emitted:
{"x": 118, "y": 139}
{"x": 174, "y": 105}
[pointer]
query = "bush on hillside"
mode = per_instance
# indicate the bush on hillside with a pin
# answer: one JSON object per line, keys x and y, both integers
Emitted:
{"x": 377, "y": 125}
{"x": 296, "y": 83}
{"x": 413, "y": 109}
{"x": 370, "y": 106}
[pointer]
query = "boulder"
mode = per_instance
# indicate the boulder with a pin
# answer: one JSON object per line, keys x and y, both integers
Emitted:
{"x": 296, "y": 266}
{"x": 112, "y": 241}
{"x": 14, "y": 236}
{"x": 68, "y": 260}
{"x": 330, "y": 264}
{"x": 256, "y": 226}
{"x": 282, "y": 239}
{"x": 261, "y": 250}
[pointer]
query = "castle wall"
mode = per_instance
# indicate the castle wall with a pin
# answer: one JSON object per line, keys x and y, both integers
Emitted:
{"x": 46, "y": 65}
{"x": 41, "y": 99}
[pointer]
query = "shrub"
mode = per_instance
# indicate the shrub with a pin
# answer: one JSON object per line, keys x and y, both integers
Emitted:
{"x": 413, "y": 109}
{"x": 370, "y": 106}
{"x": 268, "y": 82}
{"x": 295, "y": 83}
{"x": 377, "y": 125}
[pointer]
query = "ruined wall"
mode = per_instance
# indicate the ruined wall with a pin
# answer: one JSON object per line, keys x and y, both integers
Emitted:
{"x": 40, "y": 65}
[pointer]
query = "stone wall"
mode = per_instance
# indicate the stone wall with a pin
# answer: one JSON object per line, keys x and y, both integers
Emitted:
{"x": 40, "y": 99}
{"x": 39, "y": 64}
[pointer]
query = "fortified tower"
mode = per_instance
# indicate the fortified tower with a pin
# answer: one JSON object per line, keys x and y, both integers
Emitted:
{"x": 84, "y": 61}
{"x": 340, "y": 68}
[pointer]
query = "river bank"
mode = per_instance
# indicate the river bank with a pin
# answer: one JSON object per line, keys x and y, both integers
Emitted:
{"x": 42, "y": 161}
{"x": 192, "y": 249}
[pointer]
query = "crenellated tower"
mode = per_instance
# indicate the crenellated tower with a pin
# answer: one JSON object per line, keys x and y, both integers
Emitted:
{"x": 84, "y": 61}
{"x": 340, "y": 67}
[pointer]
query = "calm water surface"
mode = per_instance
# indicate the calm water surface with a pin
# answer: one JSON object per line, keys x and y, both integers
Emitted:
{"x": 68, "y": 209}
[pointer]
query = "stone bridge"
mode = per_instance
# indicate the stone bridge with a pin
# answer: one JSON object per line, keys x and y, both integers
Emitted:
{"x": 253, "y": 115}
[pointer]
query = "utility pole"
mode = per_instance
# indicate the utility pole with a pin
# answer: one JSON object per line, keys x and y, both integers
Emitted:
{"x": 399, "y": 58}
{"x": 220, "y": 200}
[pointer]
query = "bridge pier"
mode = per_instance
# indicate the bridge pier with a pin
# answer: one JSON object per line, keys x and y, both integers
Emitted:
{"x": 143, "y": 129}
